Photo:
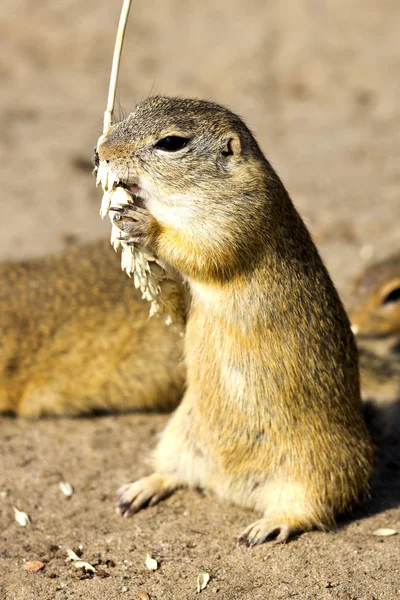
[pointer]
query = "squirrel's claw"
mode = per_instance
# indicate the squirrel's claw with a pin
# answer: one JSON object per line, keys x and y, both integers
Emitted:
{"x": 262, "y": 531}
{"x": 147, "y": 491}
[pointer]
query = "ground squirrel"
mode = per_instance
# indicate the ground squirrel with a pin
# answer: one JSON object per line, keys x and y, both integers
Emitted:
{"x": 376, "y": 299}
{"x": 76, "y": 338}
{"x": 376, "y": 322}
{"x": 271, "y": 418}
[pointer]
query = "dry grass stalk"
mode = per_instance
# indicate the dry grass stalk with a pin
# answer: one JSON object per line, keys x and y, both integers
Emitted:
{"x": 138, "y": 263}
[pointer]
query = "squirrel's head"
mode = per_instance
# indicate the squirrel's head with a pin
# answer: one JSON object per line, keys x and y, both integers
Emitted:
{"x": 180, "y": 153}
{"x": 377, "y": 300}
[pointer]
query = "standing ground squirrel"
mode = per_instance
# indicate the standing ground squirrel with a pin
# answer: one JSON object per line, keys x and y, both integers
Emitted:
{"x": 271, "y": 418}
{"x": 77, "y": 338}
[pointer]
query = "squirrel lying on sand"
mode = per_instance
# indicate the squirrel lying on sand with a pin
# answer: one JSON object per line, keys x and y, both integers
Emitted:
{"x": 76, "y": 338}
{"x": 271, "y": 418}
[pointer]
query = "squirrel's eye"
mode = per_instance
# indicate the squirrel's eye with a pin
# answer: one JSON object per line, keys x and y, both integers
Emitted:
{"x": 172, "y": 143}
{"x": 392, "y": 296}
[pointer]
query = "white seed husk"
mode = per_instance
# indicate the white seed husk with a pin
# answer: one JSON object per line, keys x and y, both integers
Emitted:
{"x": 151, "y": 563}
{"x": 202, "y": 581}
{"x": 385, "y": 532}
{"x": 71, "y": 556}
{"x": 77, "y": 562}
{"x": 66, "y": 488}
{"x": 21, "y": 517}
{"x": 82, "y": 564}
{"x": 138, "y": 263}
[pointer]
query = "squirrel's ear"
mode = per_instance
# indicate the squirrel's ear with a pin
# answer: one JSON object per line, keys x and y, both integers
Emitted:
{"x": 232, "y": 146}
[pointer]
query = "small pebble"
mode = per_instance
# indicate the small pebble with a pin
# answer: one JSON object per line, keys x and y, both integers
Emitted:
{"x": 34, "y": 566}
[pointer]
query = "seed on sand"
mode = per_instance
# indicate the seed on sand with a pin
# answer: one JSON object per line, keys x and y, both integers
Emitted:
{"x": 78, "y": 563}
{"x": 202, "y": 581}
{"x": 151, "y": 563}
{"x": 385, "y": 532}
{"x": 66, "y": 488}
{"x": 21, "y": 517}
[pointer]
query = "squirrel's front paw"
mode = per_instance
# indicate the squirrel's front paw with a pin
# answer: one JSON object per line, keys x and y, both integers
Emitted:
{"x": 137, "y": 224}
{"x": 132, "y": 497}
{"x": 263, "y": 530}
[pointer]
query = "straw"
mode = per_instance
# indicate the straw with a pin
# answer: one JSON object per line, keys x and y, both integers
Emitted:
{"x": 108, "y": 114}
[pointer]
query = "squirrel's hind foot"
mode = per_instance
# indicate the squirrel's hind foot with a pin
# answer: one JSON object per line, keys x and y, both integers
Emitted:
{"x": 264, "y": 530}
{"x": 147, "y": 491}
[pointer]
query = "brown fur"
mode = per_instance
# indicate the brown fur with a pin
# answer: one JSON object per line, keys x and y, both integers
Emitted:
{"x": 379, "y": 355}
{"x": 271, "y": 418}
{"x": 76, "y": 338}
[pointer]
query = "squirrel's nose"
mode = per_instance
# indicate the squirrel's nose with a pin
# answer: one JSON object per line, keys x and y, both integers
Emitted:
{"x": 95, "y": 159}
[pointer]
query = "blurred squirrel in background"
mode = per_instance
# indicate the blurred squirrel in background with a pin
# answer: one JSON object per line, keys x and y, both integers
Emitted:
{"x": 375, "y": 318}
{"x": 76, "y": 338}
{"x": 375, "y": 321}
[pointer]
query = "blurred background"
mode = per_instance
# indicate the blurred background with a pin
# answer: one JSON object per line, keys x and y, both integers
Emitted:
{"x": 318, "y": 82}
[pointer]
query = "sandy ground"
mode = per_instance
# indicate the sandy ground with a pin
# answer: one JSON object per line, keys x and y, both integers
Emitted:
{"x": 319, "y": 84}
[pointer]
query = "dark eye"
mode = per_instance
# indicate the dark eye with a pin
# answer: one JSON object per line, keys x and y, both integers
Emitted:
{"x": 172, "y": 143}
{"x": 392, "y": 296}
